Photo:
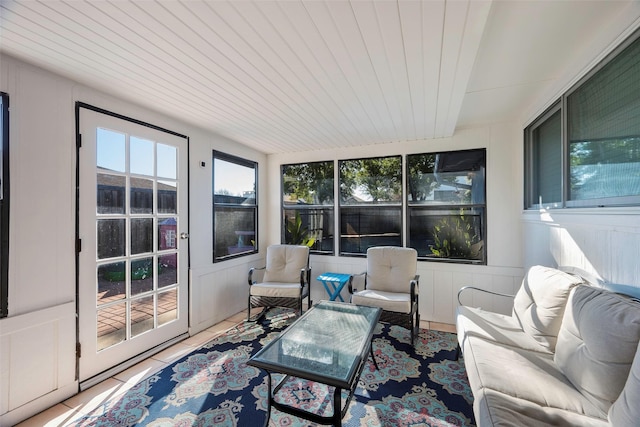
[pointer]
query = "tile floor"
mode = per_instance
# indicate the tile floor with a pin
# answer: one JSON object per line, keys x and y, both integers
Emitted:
{"x": 88, "y": 400}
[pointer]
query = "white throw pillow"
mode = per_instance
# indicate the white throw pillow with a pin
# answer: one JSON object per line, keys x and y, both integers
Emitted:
{"x": 540, "y": 302}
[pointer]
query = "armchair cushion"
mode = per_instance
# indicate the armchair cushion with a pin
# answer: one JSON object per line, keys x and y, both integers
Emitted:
{"x": 540, "y": 302}
{"x": 390, "y": 301}
{"x": 284, "y": 263}
{"x": 390, "y": 268}
{"x": 276, "y": 289}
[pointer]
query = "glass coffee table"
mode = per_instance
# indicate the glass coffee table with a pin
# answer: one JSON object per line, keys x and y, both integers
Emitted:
{"x": 328, "y": 344}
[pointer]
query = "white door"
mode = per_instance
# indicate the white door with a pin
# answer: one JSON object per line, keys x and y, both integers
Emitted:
{"x": 133, "y": 230}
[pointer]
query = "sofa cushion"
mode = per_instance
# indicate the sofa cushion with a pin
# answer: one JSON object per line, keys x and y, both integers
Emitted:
{"x": 496, "y": 327}
{"x": 626, "y": 409}
{"x": 527, "y": 375}
{"x": 539, "y": 303}
{"x": 284, "y": 263}
{"x": 597, "y": 342}
{"x": 493, "y": 408}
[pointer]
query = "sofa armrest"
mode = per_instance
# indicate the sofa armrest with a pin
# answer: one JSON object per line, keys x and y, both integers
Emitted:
{"x": 466, "y": 288}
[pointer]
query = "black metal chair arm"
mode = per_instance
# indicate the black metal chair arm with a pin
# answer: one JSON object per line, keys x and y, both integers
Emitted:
{"x": 465, "y": 288}
{"x": 250, "y": 276}
{"x": 415, "y": 287}
{"x": 305, "y": 276}
{"x": 350, "y": 284}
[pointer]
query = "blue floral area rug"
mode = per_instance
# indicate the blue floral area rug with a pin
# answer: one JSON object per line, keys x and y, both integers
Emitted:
{"x": 214, "y": 386}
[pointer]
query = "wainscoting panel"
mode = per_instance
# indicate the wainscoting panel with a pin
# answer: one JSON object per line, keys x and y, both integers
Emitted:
{"x": 38, "y": 359}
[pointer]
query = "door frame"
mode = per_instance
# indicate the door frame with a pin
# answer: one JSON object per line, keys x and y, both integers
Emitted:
{"x": 145, "y": 354}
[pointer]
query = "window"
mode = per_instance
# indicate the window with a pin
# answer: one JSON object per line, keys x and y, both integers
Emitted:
{"x": 308, "y": 205}
{"x": 446, "y": 206}
{"x": 4, "y": 204}
{"x": 370, "y": 203}
{"x": 544, "y": 155}
{"x": 594, "y": 160}
{"x": 235, "y": 210}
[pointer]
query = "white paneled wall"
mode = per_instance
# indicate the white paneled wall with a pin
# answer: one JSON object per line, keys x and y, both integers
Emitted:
{"x": 35, "y": 362}
{"x": 219, "y": 292}
{"x": 606, "y": 243}
{"x": 38, "y": 339}
{"x": 439, "y": 285}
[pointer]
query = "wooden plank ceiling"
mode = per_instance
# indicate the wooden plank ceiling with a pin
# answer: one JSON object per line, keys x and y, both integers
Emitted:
{"x": 284, "y": 76}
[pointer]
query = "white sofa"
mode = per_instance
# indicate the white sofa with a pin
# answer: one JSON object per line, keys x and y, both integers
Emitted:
{"x": 567, "y": 356}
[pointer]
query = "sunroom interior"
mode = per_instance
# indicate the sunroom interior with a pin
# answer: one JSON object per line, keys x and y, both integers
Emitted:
{"x": 340, "y": 125}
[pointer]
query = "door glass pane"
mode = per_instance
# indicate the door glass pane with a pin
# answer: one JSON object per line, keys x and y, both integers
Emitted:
{"x": 111, "y": 325}
{"x": 111, "y": 238}
{"x": 167, "y": 306}
{"x": 141, "y": 275}
{"x": 141, "y": 156}
{"x": 111, "y": 282}
{"x": 167, "y": 161}
{"x": 167, "y": 236}
{"x": 167, "y": 270}
{"x": 141, "y": 235}
{"x": 111, "y": 193}
{"x": 141, "y": 196}
{"x": 110, "y": 150}
{"x": 167, "y": 197}
{"x": 141, "y": 315}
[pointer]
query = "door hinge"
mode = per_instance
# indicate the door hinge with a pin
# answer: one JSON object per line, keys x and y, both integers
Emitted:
{"x": 79, "y": 140}
{"x": 78, "y": 350}
{"x": 78, "y": 245}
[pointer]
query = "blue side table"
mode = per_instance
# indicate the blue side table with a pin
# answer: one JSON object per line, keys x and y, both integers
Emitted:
{"x": 333, "y": 283}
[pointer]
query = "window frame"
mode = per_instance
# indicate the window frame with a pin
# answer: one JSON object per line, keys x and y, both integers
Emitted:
{"x": 529, "y": 150}
{"x": 310, "y": 207}
{"x": 219, "y": 155}
{"x": 4, "y": 207}
{"x": 565, "y": 163}
{"x": 416, "y": 206}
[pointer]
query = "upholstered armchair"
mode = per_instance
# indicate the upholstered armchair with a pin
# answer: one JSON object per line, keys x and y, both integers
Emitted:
{"x": 391, "y": 283}
{"x": 284, "y": 282}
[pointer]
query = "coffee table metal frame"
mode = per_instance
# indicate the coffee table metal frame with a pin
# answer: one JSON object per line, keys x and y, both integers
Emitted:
{"x": 329, "y": 344}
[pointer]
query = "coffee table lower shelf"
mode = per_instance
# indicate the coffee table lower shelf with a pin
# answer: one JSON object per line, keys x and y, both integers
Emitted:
{"x": 338, "y": 410}
{"x": 329, "y": 344}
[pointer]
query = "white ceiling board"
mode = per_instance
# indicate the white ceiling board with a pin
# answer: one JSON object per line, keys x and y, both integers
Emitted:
{"x": 498, "y": 105}
{"x": 476, "y": 19}
{"x": 286, "y": 76}
{"x": 455, "y": 17}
